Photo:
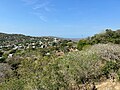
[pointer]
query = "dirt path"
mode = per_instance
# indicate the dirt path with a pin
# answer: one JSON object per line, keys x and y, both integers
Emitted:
{"x": 108, "y": 85}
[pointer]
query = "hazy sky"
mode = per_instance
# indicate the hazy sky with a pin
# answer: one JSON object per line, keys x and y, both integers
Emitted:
{"x": 62, "y": 18}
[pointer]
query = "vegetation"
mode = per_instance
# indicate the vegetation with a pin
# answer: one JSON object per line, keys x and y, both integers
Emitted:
{"x": 49, "y": 69}
{"x": 108, "y": 36}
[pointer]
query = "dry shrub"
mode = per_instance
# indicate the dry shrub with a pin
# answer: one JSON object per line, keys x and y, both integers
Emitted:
{"x": 107, "y": 52}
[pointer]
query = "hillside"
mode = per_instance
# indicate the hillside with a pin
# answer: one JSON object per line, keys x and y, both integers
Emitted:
{"x": 50, "y": 63}
{"x": 6, "y": 39}
{"x": 22, "y": 42}
{"x": 109, "y": 36}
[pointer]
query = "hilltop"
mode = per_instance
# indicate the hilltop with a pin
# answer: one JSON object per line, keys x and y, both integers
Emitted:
{"x": 109, "y": 36}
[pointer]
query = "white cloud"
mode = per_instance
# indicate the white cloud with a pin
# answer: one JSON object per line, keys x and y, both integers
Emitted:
{"x": 41, "y": 17}
{"x": 30, "y": 2}
{"x": 41, "y": 5}
{"x": 40, "y": 8}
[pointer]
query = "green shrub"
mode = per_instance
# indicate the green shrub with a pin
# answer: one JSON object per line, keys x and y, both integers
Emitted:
{"x": 110, "y": 67}
{"x": 118, "y": 73}
{"x": 81, "y": 67}
{"x": 81, "y": 44}
{"x": 13, "y": 84}
{"x": 2, "y": 60}
{"x": 63, "y": 73}
{"x": 1, "y": 53}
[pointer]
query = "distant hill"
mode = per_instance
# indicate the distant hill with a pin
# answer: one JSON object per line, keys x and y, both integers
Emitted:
{"x": 6, "y": 39}
{"x": 46, "y": 44}
{"x": 73, "y": 39}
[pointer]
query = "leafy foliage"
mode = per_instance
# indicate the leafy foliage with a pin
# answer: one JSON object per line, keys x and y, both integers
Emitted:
{"x": 36, "y": 69}
{"x": 108, "y": 37}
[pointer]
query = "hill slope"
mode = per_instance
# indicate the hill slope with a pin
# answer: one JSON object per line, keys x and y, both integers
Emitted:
{"x": 108, "y": 36}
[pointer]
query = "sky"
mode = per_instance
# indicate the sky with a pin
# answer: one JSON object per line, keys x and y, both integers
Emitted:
{"x": 61, "y": 18}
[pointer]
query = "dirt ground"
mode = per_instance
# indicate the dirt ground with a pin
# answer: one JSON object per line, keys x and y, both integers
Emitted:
{"x": 108, "y": 85}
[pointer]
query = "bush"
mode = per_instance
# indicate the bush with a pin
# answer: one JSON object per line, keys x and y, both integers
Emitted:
{"x": 13, "y": 84}
{"x": 81, "y": 44}
{"x": 42, "y": 74}
{"x": 2, "y": 60}
{"x": 1, "y": 53}
{"x": 5, "y": 71}
{"x": 118, "y": 73}
{"x": 107, "y": 52}
{"x": 63, "y": 73}
{"x": 110, "y": 57}
{"x": 109, "y": 68}
{"x": 80, "y": 67}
